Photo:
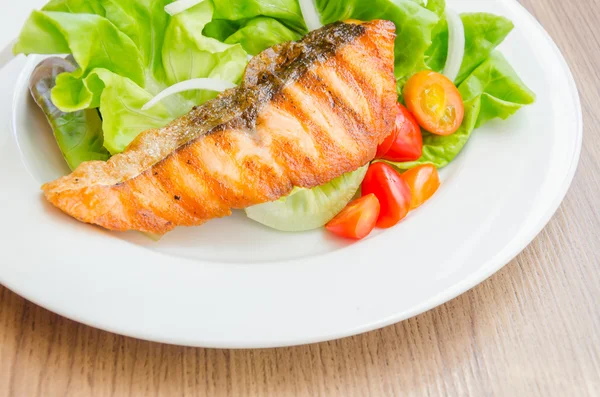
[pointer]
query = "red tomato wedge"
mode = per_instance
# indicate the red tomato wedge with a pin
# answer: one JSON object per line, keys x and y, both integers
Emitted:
{"x": 405, "y": 143}
{"x": 392, "y": 192}
{"x": 387, "y": 143}
{"x": 435, "y": 102}
{"x": 357, "y": 220}
{"x": 423, "y": 181}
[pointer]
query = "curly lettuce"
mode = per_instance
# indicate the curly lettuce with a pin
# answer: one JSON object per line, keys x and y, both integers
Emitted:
{"x": 127, "y": 52}
{"x": 492, "y": 91}
{"x": 483, "y": 33}
{"x": 414, "y": 26}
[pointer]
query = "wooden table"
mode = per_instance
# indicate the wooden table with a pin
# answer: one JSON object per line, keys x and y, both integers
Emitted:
{"x": 533, "y": 329}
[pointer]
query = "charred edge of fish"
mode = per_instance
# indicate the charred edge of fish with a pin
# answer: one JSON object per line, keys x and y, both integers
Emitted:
{"x": 245, "y": 102}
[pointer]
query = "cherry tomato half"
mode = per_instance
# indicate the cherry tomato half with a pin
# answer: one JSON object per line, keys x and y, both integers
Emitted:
{"x": 357, "y": 220}
{"x": 435, "y": 102}
{"x": 405, "y": 143}
{"x": 392, "y": 192}
{"x": 423, "y": 181}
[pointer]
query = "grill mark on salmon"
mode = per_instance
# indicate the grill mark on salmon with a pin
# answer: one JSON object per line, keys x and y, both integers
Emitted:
{"x": 369, "y": 59}
{"x": 305, "y": 113}
{"x": 318, "y": 124}
{"x": 150, "y": 197}
{"x": 289, "y": 141}
{"x": 345, "y": 112}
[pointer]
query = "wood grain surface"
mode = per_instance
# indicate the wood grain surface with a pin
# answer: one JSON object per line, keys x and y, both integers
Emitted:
{"x": 533, "y": 329}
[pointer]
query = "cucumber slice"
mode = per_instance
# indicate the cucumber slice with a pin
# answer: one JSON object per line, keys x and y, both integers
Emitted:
{"x": 307, "y": 209}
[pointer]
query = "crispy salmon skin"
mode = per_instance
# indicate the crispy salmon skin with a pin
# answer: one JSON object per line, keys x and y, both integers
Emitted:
{"x": 305, "y": 113}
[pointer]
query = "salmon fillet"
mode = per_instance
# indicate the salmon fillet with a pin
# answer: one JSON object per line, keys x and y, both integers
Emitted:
{"x": 305, "y": 113}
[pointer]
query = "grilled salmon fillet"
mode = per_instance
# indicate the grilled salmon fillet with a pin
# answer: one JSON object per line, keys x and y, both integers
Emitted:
{"x": 305, "y": 113}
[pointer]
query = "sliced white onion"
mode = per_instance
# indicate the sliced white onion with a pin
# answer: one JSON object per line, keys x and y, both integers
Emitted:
{"x": 456, "y": 45}
{"x": 310, "y": 14}
{"x": 179, "y": 6}
{"x": 188, "y": 85}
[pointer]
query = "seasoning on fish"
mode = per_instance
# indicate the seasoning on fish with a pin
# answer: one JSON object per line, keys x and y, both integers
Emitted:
{"x": 305, "y": 113}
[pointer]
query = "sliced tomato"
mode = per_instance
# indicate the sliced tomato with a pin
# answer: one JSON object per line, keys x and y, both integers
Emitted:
{"x": 435, "y": 102}
{"x": 405, "y": 143}
{"x": 423, "y": 181}
{"x": 357, "y": 220}
{"x": 392, "y": 192}
{"x": 387, "y": 143}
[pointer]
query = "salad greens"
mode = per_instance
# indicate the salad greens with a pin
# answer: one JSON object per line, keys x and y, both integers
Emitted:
{"x": 269, "y": 30}
{"x": 493, "y": 90}
{"x": 307, "y": 209}
{"x": 414, "y": 26}
{"x": 483, "y": 33}
{"x": 286, "y": 11}
{"x": 130, "y": 50}
{"x": 78, "y": 134}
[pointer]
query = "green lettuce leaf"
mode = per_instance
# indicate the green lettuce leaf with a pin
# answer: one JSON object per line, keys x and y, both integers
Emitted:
{"x": 260, "y": 33}
{"x": 493, "y": 90}
{"x": 78, "y": 134}
{"x": 414, "y": 26}
{"x": 93, "y": 40}
{"x": 483, "y": 33}
{"x": 499, "y": 88}
{"x": 143, "y": 21}
{"x": 129, "y": 51}
{"x": 307, "y": 209}
{"x": 120, "y": 103}
{"x": 221, "y": 29}
{"x": 286, "y": 11}
{"x": 75, "y": 6}
{"x": 256, "y": 24}
{"x": 437, "y": 6}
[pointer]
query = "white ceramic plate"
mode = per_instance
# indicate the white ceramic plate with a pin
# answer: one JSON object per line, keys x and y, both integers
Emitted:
{"x": 234, "y": 283}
